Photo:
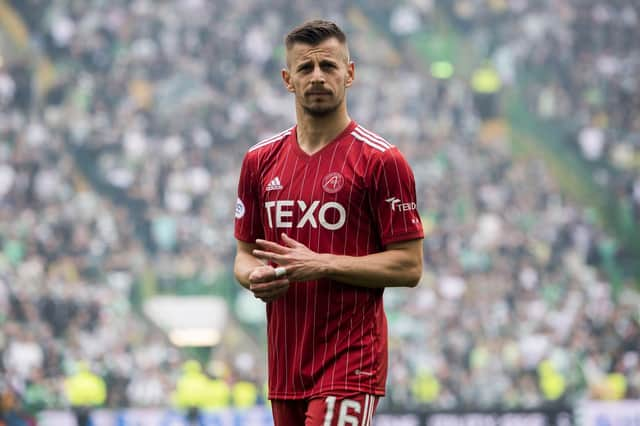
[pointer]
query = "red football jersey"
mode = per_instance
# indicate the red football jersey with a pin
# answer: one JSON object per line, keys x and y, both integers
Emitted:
{"x": 353, "y": 197}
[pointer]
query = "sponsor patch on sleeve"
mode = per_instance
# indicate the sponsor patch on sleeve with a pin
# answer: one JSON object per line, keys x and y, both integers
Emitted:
{"x": 239, "y": 209}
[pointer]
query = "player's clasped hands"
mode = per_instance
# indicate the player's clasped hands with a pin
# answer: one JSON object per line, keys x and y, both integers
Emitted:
{"x": 265, "y": 285}
{"x": 299, "y": 262}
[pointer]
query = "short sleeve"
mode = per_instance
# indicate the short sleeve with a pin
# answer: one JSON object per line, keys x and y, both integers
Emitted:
{"x": 393, "y": 198}
{"x": 248, "y": 223}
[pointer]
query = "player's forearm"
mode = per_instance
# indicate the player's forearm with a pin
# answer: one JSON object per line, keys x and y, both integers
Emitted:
{"x": 391, "y": 268}
{"x": 244, "y": 264}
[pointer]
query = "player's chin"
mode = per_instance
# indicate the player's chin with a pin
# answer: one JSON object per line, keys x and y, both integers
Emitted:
{"x": 320, "y": 109}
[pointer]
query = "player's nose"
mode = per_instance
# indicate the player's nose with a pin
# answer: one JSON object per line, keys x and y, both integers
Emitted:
{"x": 317, "y": 76}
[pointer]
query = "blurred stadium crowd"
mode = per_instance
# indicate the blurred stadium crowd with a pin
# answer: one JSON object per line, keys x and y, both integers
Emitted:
{"x": 119, "y": 160}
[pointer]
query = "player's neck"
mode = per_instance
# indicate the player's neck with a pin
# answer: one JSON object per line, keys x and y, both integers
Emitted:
{"x": 313, "y": 133}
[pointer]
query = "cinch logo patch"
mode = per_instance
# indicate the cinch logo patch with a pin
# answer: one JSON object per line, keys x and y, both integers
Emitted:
{"x": 330, "y": 216}
{"x": 398, "y": 205}
{"x": 239, "y": 209}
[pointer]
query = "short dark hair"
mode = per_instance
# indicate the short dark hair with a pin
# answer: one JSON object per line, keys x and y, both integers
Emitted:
{"x": 314, "y": 32}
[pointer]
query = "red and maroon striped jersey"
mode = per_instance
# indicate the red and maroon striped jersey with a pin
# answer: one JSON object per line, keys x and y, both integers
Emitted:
{"x": 353, "y": 197}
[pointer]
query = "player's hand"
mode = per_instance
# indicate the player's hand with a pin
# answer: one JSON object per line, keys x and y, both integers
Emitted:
{"x": 265, "y": 286}
{"x": 300, "y": 262}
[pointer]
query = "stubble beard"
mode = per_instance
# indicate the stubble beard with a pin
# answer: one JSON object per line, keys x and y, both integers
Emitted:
{"x": 320, "y": 111}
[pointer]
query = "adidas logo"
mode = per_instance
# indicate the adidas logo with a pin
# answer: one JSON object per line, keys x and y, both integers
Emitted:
{"x": 274, "y": 184}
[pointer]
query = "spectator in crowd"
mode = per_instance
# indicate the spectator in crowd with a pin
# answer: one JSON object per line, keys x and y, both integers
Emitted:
{"x": 191, "y": 392}
{"x": 84, "y": 391}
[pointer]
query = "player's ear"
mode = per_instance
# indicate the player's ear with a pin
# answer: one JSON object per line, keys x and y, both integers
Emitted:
{"x": 351, "y": 73}
{"x": 286, "y": 78}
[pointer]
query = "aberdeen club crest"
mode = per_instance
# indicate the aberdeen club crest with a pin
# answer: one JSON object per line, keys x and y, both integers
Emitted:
{"x": 333, "y": 182}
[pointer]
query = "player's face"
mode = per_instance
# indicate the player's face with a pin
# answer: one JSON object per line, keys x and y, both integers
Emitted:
{"x": 319, "y": 76}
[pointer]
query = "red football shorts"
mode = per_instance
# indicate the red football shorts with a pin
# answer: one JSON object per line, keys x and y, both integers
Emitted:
{"x": 355, "y": 410}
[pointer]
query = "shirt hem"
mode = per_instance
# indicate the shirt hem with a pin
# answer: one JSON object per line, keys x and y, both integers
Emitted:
{"x": 327, "y": 391}
{"x": 416, "y": 235}
{"x": 245, "y": 239}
